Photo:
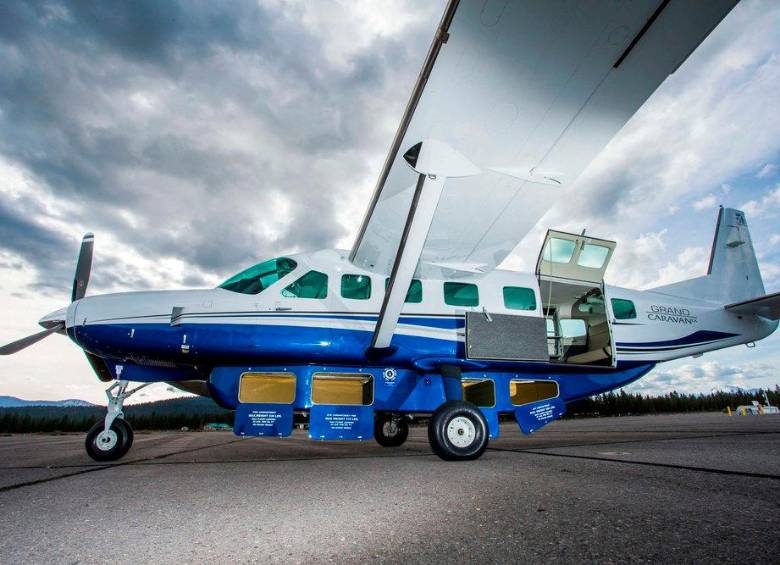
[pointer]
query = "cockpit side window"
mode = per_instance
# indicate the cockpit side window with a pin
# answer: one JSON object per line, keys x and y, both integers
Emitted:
{"x": 311, "y": 285}
{"x": 256, "y": 279}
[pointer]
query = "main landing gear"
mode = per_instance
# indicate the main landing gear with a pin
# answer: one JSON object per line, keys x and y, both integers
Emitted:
{"x": 112, "y": 438}
{"x": 458, "y": 431}
{"x": 390, "y": 430}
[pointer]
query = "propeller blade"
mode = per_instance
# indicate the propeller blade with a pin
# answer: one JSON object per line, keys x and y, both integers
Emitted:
{"x": 20, "y": 344}
{"x": 83, "y": 267}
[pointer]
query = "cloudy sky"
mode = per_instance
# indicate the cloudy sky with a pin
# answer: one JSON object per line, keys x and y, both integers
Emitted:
{"x": 198, "y": 138}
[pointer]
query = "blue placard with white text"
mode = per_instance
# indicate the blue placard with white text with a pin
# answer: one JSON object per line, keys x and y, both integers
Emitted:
{"x": 329, "y": 421}
{"x": 533, "y": 416}
{"x": 255, "y": 419}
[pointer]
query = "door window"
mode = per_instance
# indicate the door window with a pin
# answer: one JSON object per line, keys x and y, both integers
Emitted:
{"x": 311, "y": 285}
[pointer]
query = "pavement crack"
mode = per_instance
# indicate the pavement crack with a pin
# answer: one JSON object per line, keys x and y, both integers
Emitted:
{"x": 645, "y": 463}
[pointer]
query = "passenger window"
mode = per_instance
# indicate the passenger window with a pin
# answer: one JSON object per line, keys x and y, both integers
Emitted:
{"x": 356, "y": 287}
{"x": 311, "y": 285}
{"x": 461, "y": 294}
{"x": 623, "y": 309}
{"x": 414, "y": 294}
{"x": 519, "y": 298}
{"x": 559, "y": 250}
{"x": 573, "y": 327}
{"x": 593, "y": 256}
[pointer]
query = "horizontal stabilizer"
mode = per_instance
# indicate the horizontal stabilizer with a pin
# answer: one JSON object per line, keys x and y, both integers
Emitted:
{"x": 767, "y": 306}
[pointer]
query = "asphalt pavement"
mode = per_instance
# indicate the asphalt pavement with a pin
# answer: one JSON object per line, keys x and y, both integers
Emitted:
{"x": 681, "y": 488}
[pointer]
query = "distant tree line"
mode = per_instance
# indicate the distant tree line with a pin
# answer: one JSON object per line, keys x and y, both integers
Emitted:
{"x": 194, "y": 413}
{"x": 625, "y": 404}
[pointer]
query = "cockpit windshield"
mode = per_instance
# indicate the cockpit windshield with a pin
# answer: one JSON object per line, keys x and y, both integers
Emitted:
{"x": 256, "y": 279}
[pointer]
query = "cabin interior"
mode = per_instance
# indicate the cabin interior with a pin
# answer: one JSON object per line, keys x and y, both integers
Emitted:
{"x": 577, "y": 327}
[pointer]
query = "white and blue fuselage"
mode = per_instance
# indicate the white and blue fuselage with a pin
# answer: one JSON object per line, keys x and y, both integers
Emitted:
{"x": 204, "y": 340}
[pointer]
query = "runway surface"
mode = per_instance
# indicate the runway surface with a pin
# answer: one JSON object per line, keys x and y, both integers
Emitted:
{"x": 679, "y": 488}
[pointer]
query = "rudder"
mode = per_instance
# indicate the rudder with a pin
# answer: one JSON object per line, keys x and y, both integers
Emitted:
{"x": 733, "y": 274}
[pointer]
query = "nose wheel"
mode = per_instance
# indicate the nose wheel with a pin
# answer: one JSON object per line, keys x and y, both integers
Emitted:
{"x": 111, "y": 444}
{"x": 390, "y": 430}
{"x": 458, "y": 431}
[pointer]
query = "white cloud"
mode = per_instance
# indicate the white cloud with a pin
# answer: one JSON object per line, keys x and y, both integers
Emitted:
{"x": 768, "y": 203}
{"x": 705, "y": 376}
{"x": 706, "y": 203}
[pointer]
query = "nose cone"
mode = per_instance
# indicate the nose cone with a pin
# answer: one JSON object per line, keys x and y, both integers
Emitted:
{"x": 54, "y": 318}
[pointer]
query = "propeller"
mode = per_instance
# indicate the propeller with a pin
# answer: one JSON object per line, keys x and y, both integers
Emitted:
{"x": 20, "y": 344}
{"x": 80, "y": 282}
{"x": 83, "y": 267}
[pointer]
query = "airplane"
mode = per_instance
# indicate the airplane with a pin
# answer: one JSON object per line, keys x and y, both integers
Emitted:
{"x": 513, "y": 101}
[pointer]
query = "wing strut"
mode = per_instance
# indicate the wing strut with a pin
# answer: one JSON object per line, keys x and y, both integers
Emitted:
{"x": 434, "y": 162}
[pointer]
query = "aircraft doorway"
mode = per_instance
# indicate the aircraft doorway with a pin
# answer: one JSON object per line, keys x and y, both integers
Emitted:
{"x": 571, "y": 271}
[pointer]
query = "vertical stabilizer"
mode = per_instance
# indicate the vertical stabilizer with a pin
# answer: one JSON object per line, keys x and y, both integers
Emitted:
{"x": 733, "y": 274}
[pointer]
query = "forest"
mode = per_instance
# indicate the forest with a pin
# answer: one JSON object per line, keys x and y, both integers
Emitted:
{"x": 194, "y": 413}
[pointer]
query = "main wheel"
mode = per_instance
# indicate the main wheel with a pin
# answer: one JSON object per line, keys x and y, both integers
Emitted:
{"x": 390, "y": 430}
{"x": 109, "y": 445}
{"x": 458, "y": 431}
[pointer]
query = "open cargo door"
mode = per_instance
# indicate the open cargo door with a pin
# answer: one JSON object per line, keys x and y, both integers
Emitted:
{"x": 578, "y": 258}
{"x": 571, "y": 271}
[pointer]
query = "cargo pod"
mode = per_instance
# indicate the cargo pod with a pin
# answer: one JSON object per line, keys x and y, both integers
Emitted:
{"x": 571, "y": 271}
{"x": 342, "y": 406}
{"x": 265, "y": 404}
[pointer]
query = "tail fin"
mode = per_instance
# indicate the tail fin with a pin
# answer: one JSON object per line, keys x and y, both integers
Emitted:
{"x": 733, "y": 273}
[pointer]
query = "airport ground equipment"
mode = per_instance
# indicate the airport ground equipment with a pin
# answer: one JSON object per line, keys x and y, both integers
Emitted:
{"x": 513, "y": 101}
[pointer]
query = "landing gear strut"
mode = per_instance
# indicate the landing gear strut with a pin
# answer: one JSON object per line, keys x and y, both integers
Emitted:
{"x": 112, "y": 438}
{"x": 390, "y": 430}
{"x": 458, "y": 431}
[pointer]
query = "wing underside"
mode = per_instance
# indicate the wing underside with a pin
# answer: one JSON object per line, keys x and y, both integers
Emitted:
{"x": 529, "y": 92}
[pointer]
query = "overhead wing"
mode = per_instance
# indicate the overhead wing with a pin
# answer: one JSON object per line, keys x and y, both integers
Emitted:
{"x": 767, "y": 306}
{"x": 529, "y": 91}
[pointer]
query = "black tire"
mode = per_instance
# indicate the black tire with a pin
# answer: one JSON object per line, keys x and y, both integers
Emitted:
{"x": 467, "y": 422}
{"x": 129, "y": 435}
{"x": 390, "y": 430}
{"x": 115, "y": 449}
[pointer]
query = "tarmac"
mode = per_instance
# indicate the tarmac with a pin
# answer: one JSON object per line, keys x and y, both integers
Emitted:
{"x": 680, "y": 488}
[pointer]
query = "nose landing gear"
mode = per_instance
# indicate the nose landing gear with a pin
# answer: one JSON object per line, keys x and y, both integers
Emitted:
{"x": 112, "y": 438}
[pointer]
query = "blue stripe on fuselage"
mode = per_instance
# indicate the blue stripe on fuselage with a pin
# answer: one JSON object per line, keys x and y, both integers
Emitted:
{"x": 697, "y": 338}
{"x": 439, "y": 322}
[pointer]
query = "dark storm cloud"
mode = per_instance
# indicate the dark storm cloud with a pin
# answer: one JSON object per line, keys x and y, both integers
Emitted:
{"x": 179, "y": 128}
{"x": 41, "y": 246}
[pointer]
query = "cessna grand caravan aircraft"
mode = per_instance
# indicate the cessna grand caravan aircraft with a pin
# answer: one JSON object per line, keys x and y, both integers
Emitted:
{"x": 514, "y": 99}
